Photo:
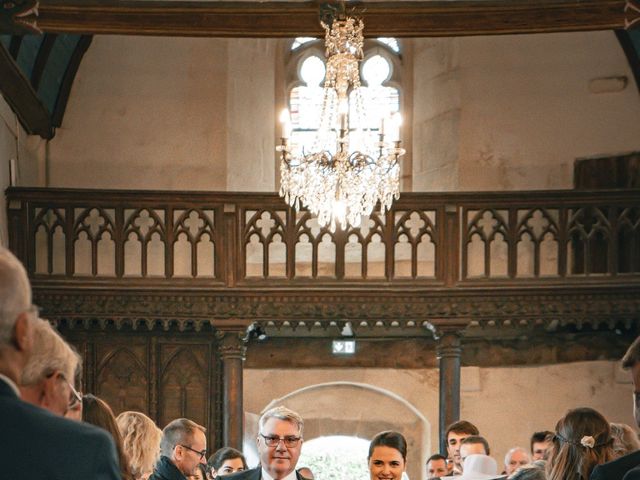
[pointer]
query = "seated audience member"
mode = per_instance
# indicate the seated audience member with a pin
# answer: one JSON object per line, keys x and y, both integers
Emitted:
{"x": 540, "y": 443}
{"x": 279, "y": 444}
{"x": 437, "y": 466}
{"x": 306, "y": 473}
{"x": 46, "y": 378}
{"x": 182, "y": 448}
{"x": 475, "y": 444}
{"x": 96, "y": 412}
{"x": 625, "y": 440}
{"x": 514, "y": 459}
{"x": 628, "y": 466}
{"x": 454, "y": 435}
{"x": 582, "y": 441}
{"x": 37, "y": 444}
{"x": 226, "y": 461}
{"x": 141, "y": 442}
{"x": 387, "y": 456}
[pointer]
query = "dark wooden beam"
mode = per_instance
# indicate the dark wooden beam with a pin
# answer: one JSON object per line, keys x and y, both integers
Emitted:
{"x": 22, "y": 98}
{"x": 68, "y": 78}
{"x": 290, "y": 19}
{"x": 41, "y": 59}
{"x": 632, "y": 54}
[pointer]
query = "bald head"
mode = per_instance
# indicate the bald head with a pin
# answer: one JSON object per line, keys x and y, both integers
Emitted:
{"x": 15, "y": 294}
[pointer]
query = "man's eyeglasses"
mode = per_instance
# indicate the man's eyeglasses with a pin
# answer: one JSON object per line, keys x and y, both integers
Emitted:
{"x": 202, "y": 453}
{"x": 273, "y": 441}
{"x": 74, "y": 395}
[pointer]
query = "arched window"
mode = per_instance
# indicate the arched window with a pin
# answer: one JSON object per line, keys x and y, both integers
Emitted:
{"x": 380, "y": 74}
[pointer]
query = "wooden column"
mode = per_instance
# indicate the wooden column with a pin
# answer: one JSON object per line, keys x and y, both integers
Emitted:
{"x": 448, "y": 352}
{"x": 231, "y": 345}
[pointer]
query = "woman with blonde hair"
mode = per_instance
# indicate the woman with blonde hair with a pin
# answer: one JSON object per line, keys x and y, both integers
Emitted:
{"x": 141, "y": 440}
{"x": 582, "y": 440}
{"x": 625, "y": 440}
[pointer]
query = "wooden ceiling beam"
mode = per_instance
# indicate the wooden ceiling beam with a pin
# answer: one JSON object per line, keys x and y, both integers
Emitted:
{"x": 22, "y": 98}
{"x": 263, "y": 19}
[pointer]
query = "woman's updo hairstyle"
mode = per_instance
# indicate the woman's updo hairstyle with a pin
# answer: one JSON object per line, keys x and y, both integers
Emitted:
{"x": 389, "y": 439}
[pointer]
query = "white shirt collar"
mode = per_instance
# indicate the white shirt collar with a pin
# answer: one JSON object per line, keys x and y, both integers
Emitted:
{"x": 11, "y": 383}
{"x": 291, "y": 476}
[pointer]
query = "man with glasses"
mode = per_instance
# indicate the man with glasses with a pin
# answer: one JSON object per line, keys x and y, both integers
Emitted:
{"x": 279, "y": 444}
{"x": 38, "y": 444}
{"x": 183, "y": 447}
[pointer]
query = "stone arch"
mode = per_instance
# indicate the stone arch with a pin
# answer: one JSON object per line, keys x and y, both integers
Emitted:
{"x": 354, "y": 409}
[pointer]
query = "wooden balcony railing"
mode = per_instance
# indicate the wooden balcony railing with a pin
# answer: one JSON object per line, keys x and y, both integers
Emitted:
{"x": 227, "y": 240}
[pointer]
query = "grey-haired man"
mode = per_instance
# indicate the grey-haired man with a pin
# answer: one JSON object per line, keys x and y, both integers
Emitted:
{"x": 279, "y": 443}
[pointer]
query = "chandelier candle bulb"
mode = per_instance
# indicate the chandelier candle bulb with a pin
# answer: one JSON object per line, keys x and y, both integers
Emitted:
{"x": 396, "y": 122}
{"x": 285, "y": 122}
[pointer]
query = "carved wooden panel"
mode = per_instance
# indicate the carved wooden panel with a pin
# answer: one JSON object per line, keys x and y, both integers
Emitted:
{"x": 123, "y": 375}
{"x": 165, "y": 375}
{"x": 184, "y": 382}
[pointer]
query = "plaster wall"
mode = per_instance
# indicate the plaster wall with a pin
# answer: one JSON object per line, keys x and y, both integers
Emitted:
{"x": 436, "y": 114}
{"x": 251, "y": 115}
{"x": 488, "y": 113}
{"x": 507, "y": 404}
{"x": 529, "y": 112}
{"x": 22, "y": 157}
{"x": 514, "y": 112}
{"x": 7, "y": 154}
{"x": 146, "y": 113}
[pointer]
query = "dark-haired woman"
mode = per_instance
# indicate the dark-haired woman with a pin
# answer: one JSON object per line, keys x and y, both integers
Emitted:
{"x": 387, "y": 456}
{"x": 98, "y": 413}
{"x": 226, "y": 461}
{"x": 582, "y": 441}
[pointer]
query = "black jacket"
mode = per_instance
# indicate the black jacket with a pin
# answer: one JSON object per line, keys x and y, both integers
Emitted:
{"x": 166, "y": 470}
{"x": 38, "y": 445}
{"x": 616, "y": 469}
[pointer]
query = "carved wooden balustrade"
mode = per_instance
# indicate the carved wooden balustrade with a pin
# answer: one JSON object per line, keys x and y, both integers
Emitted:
{"x": 203, "y": 257}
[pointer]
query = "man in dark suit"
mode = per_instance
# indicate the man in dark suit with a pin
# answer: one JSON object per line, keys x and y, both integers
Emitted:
{"x": 36, "y": 444}
{"x": 279, "y": 444}
{"x": 182, "y": 449}
{"x": 627, "y": 467}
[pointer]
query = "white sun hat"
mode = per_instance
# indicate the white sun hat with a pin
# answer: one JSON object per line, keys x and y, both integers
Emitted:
{"x": 480, "y": 467}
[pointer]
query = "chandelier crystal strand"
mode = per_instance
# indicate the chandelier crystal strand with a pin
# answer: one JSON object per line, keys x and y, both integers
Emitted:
{"x": 336, "y": 184}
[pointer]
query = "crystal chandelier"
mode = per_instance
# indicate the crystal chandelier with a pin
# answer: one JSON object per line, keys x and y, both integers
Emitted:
{"x": 349, "y": 169}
